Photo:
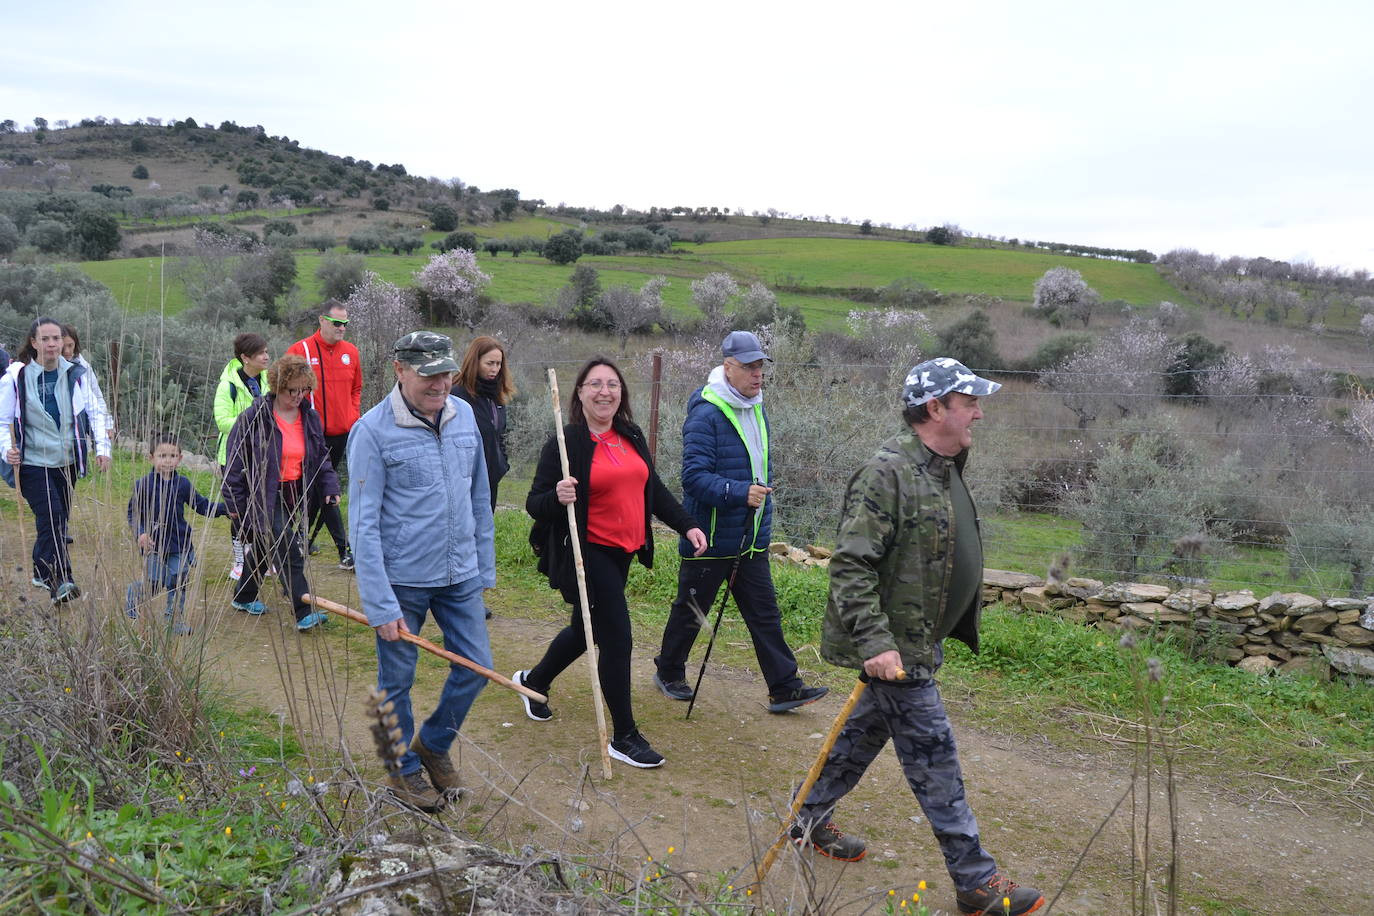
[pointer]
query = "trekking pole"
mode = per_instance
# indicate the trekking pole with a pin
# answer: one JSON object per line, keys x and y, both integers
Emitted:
{"x": 583, "y": 601}
{"x": 720, "y": 608}
{"x": 814, "y": 774}
{"x": 325, "y": 604}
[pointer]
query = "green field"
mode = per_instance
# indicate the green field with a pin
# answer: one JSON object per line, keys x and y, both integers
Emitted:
{"x": 1008, "y": 274}
{"x": 824, "y": 263}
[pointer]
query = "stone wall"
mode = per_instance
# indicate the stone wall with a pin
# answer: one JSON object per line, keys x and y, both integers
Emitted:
{"x": 1285, "y": 631}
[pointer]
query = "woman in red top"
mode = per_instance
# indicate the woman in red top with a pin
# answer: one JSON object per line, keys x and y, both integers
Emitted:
{"x": 614, "y": 490}
{"x": 278, "y": 462}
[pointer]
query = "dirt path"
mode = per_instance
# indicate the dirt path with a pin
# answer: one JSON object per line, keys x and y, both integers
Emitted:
{"x": 731, "y": 768}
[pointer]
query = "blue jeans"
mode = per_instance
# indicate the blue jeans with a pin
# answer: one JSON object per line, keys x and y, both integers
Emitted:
{"x": 170, "y": 572}
{"x": 461, "y": 616}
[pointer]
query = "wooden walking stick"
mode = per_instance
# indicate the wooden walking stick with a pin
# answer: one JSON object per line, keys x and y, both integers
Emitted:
{"x": 325, "y": 604}
{"x": 583, "y": 601}
{"x": 814, "y": 774}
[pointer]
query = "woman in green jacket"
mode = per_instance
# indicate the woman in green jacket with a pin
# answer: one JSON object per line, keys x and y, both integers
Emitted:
{"x": 242, "y": 381}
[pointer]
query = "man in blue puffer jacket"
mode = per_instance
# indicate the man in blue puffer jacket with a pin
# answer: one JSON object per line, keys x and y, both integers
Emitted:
{"x": 725, "y": 485}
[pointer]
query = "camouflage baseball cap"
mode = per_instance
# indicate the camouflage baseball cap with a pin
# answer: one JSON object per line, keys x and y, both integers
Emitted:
{"x": 426, "y": 352}
{"x": 937, "y": 377}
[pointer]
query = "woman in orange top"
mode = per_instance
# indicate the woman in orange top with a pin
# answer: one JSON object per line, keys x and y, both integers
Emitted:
{"x": 277, "y": 462}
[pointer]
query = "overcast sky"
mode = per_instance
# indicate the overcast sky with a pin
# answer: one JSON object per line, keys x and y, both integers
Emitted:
{"x": 1232, "y": 127}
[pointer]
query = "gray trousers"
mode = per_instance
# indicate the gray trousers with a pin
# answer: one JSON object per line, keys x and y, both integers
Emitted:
{"x": 913, "y": 716}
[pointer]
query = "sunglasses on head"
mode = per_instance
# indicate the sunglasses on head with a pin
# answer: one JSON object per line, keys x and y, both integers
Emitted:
{"x": 337, "y": 322}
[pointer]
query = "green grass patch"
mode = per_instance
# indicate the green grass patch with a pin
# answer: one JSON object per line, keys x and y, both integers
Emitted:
{"x": 868, "y": 263}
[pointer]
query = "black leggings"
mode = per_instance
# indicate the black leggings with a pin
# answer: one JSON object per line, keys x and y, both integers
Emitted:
{"x": 607, "y": 569}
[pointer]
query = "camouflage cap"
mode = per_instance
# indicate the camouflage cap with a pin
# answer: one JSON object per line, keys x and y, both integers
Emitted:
{"x": 937, "y": 377}
{"x": 426, "y": 352}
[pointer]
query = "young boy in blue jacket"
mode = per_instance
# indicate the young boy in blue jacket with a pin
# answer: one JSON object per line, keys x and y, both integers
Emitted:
{"x": 157, "y": 516}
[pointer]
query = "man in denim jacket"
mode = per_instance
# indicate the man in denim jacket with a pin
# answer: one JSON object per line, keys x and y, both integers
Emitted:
{"x": 420, "y": 523}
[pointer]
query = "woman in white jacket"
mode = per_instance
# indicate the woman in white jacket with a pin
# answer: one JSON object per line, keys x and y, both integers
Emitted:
{"x": 100, "y": 410}
{"x": 46, "y": 433}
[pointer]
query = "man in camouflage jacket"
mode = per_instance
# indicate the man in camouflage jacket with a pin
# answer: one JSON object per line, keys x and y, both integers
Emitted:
{"x": 906, "y": 573}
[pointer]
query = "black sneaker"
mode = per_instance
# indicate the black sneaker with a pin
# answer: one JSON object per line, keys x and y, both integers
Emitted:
{"x": 536, "y": 710}
{"x": 791, "y": 699}
{"x": 828, "y": 840}
{"x": 1000, "y": 896}
{"x": 673, "y": 690}
{"x": 313, "y": 549}
{"x": 635, "y": 751}
{"x": 346, "y": 561}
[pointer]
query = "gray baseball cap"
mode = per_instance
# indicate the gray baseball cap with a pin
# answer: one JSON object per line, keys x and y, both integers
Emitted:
{"x": 743, "y": 346}
{"x": 426, "y": 352}
{"x": 937, "y": 377}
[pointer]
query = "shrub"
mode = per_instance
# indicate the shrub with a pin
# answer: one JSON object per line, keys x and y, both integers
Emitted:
{"x": 972, "y": 341}
{"x": 1057, "y": 350}
{"x": 457, "y": 240}
{"x": 140, "y": 172}
{"x": 564, "y": 247}
{"x": 48, "y": 236}
{"x": 1148, "y": 508}
{"x": 381, "y": 203}
{"x": 320, "y": 241}
{"x": 444, "y": 218}
{"x": 279, "y": 227}
{"x": 340, "y": 273}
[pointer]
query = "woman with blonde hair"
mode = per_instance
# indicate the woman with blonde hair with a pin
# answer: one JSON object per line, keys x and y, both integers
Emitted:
{"x": 484, "y": 381}
{"x": 278, "y": 463}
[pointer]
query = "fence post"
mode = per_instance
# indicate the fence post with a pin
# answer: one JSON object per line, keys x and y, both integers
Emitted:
{"x": 654, "y": 389}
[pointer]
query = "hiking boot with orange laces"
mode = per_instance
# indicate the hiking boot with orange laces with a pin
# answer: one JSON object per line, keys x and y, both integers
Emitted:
{"x": 829, "y": 840}
{"x": 1000, "y": 896}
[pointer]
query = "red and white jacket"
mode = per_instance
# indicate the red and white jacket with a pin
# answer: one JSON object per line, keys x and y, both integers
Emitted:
{"x": 339, "y": 393}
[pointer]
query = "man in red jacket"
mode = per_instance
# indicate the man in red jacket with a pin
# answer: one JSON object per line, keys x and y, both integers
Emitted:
{"x": 338, "y": 398}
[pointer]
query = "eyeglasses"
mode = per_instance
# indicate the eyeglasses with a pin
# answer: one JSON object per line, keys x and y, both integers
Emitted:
{"x": 597, "y": 385}
{"x": 337, "y": 322}
{"x": 297, "y": 392}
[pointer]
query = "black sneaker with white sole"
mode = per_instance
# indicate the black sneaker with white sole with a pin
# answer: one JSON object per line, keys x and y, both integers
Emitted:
{"x": 634, "y": 750}
{"x": 791, "y": 699}
{"x": 673, "y": 690}
{"x": 536, "y": 710}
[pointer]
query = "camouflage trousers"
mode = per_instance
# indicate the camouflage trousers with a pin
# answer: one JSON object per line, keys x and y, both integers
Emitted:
{"x": 913, "y": 716}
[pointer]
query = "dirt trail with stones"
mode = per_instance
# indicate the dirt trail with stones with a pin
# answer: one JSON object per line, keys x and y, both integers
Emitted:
{"x": 730, "y": 771}
{"x": 731, "y": 767}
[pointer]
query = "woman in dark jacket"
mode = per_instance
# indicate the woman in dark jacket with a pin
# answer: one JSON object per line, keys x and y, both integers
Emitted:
{"x": 485, "y": 382}
{"x": 614, "y": 489}
{"x": 278, "y": 462}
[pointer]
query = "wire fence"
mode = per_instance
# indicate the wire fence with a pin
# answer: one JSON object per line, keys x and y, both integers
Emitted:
{"x": 1265, "y": 488}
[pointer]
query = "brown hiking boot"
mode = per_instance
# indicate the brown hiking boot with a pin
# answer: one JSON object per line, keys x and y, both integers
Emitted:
{"x": 1000, "y": 896}
{"x": 414, "y": 790}
{"x": 439, "y": 767}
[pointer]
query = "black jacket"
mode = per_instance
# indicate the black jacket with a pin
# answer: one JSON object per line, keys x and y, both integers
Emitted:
{"x": 491, "y": 423}
{"x": 549, "y": 534}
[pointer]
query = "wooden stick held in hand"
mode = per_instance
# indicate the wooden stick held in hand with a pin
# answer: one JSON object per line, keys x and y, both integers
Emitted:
{"x": 325, "y": 604}
{"x": 583, "y": 601}
{"x": 814, "y": 774}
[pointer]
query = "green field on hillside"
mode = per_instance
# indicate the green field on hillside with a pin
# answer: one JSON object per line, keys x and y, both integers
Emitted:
{"x": 136, "y": 282}
{"x": 867, "y": 263}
